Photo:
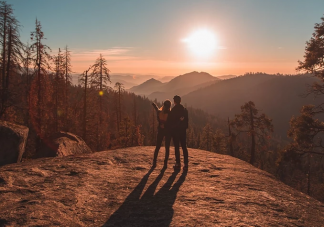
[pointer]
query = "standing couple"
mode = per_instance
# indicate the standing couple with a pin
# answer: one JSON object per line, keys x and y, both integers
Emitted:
{"x": 172, "y": 124}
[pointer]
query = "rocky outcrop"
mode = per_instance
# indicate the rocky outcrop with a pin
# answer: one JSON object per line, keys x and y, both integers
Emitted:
{"x": 119, "y": 188}
{"x": 13, "y": 140}
{"x": 63, "y": 144}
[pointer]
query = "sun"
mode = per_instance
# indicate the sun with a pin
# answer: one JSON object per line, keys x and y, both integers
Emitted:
{"x": 202, "y": 42}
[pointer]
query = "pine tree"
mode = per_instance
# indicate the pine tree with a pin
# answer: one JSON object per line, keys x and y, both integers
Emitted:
{"x": 67, "y": 76}
{"x": 306, "y": 133}
{"x": 134, "y": 139}
{"x": 198, "y": 142}
{"x": 313, "y": 62}
{"x": 255, "y": 125}
{"x": 99, "y": 81}
{"x": 11, "y": 56}
{"x": 219, "y": 142}
{"x": 207, "y": 138}
{"x": 314, "y": 54}
{"x": 230, "y": 138}
{"x": 125, "y": 132}
{"x": 58, "y": 87}
{"x": 191, "y": 138}
{"x": 41, "y": 87}
{"x": 84, "y": 79}
{"x": 119, "y": 88}
{"x": 28, "y": 77}
{"x": 306, "y": 130}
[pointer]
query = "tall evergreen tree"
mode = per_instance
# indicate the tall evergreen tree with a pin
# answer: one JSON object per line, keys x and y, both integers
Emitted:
{"x": 27, "y": 64}
{"x": 67, "y": 76}
{"x": 119, "y": 88}
{"x": 219, "y": 142}
{"x": 307, "y": 130}
{"x": 58, "y": 87}
{"x": 257, "y": 126}
{"x": 230, "y": 138}
{"x": 207, "y": 138}
{"x": 41, "y": 87}
{"x": 99, "y": 81}
{"x": 314, "y": 54}
{"x": 84, "y": 79}
{"x": 313, "y": 62}
{"x": 307, "y": 140}
{"x": 11, "y": 56}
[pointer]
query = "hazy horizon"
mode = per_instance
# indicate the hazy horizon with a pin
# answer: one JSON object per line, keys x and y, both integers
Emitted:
{"x": 156, "y": 37}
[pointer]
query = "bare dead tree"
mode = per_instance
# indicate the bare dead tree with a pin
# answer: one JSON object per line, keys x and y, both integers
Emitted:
{"x": 67, "y": 75}
{"x": 84, "y": 79}
{"x": 119, "y": 88}
{"x": 12, "y": 48}
{"x": 41, "y": 59}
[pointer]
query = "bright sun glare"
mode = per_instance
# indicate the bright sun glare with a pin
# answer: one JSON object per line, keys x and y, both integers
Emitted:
{"x": 201, "y": 42}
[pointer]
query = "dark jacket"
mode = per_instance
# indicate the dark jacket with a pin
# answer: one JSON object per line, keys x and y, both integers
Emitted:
{"x": 178, "y": 118}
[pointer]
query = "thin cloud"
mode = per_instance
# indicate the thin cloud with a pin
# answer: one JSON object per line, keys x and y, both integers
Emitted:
{"x": 111, "y": 51}
{"x": 112, "y": 54}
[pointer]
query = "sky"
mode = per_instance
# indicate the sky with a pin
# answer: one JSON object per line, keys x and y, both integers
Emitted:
{"x": 147, "y": 36}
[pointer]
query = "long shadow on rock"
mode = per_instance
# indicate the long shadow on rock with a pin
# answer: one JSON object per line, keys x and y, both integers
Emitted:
{"x": 151, "y": 209}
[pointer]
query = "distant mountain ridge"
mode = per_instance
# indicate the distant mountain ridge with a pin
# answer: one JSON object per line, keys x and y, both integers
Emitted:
{"x": 226, "y": 77}
{"x": 147, "y": 87}
{"x": 279, "y": 97}
{"x": 179, "y": 85}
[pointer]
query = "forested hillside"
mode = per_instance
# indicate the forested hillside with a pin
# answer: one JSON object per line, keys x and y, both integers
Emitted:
{"x": 279, "y": 96}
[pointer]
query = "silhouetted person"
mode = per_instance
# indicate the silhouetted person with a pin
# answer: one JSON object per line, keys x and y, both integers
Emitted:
{"x": 178, "y": 124}
{"x": 163, "y": 132}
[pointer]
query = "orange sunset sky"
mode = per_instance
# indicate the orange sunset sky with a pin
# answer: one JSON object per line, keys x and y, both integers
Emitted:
{"x": 160, "y": 37}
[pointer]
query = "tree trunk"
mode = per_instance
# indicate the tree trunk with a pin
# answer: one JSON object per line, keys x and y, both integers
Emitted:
{"x": 3, "y": 90}
{"x": 39, "y": 97}
{"x": 9, "y": 61}
{"x": 308, "y": 174}
{"x": 100, "y": 108}
{"x": 27, "y": 90}
{"x": 119, "y": 103}
{"x": 230, "y": 138}
{"x": 85, "y": 107}
{"x": 135, "y": 122}
{"x": 66, "y": 128}
{"x": 56, "y": 97}
{"x": 252, "y": 138}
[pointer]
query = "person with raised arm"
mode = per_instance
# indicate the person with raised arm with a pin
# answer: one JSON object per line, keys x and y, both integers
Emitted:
{"x": 163, "y": 131}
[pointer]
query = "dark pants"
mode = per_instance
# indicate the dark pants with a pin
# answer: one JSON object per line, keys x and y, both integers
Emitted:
{"x": 161, "y": 134}
{"x": 180, "y": 137}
